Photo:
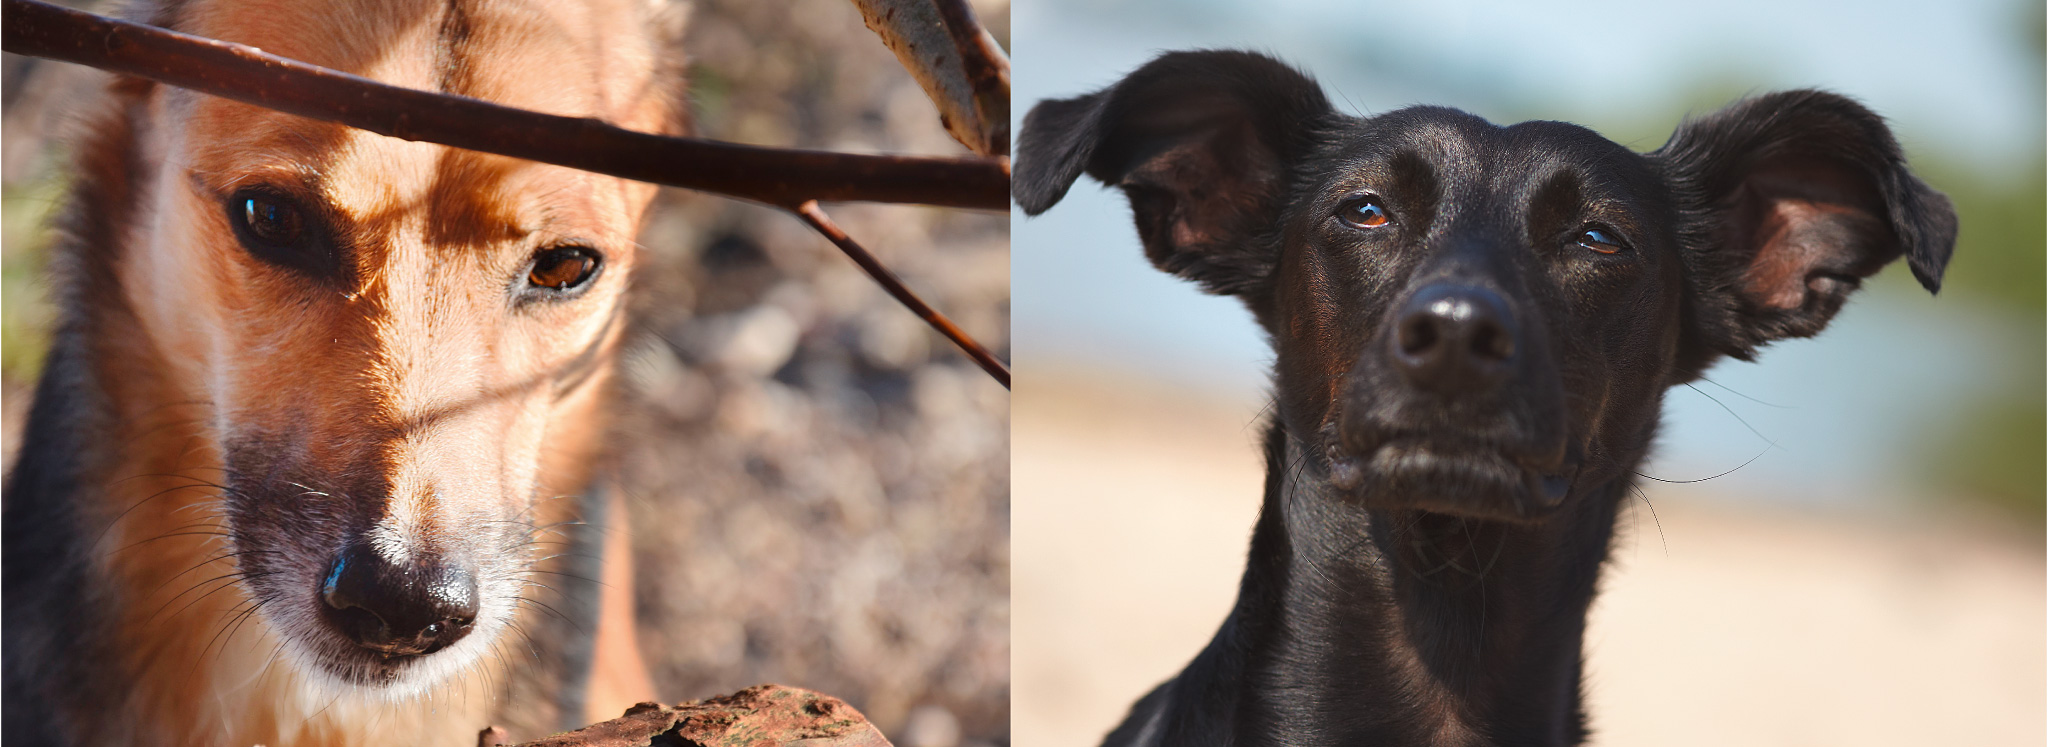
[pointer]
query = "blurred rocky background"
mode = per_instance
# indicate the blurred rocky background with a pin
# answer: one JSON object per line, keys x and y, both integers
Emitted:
{"x": 819, "y": 484}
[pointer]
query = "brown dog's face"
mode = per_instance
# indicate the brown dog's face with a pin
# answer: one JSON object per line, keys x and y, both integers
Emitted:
{"x": 402, "y": 345}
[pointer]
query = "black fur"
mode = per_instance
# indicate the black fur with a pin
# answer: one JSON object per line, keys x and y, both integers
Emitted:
{"x": 1464, "y": 390}
{"x": 54, "y": 612}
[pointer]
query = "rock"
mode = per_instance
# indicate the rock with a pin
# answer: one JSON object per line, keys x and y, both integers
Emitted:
{"x": 762, "y": 341}
{"x": 759, "y": 716}
{"x": 931, "y": 726}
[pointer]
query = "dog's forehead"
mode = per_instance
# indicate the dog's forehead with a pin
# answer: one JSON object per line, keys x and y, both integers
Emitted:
{"x": 550, "y": 57}
{"x": 568, "y": 58}
{"x": 1457, "y": 146}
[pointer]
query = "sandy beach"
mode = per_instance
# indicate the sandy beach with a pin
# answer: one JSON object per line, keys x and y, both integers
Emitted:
{"x": 1734, "y": 624}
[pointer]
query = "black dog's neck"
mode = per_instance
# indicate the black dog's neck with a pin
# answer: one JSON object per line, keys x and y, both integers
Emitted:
{"x": 1363, "y": 626}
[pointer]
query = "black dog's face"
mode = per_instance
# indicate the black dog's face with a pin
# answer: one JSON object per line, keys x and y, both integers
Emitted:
{"x": 1452, "y": 298}
{"x": 1479, "y": 320}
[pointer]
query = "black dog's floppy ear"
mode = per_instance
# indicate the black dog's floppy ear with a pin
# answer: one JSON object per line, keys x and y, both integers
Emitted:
{"x": 1788, "y": 201}
{"x": 1201, "y": 142}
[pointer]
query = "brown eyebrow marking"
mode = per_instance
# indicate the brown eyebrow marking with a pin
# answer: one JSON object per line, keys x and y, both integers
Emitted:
{"x": 468, "y": 203}
{"x": 1555, "y": 202}
{"x": 1417, "y": 187}
{"x": 452, "y": 72}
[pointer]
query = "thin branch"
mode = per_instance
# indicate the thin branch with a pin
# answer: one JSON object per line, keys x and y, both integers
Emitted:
{"x": 776, "y": 176}
{"x": 811, "y": 214}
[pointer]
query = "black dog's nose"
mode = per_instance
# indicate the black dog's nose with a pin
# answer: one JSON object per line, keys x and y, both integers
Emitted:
{"x": 1454, "y": 339}
{"x": 417, "y": 608}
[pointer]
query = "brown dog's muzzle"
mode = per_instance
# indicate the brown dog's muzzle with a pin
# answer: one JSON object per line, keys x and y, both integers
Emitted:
{"x": 408, "y": 609}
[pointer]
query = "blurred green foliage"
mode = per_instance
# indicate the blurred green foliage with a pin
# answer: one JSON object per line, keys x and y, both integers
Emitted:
{"x": 1994, "y": 448}
{"x": 1999, "y": 254}
{"x": 1997, "y": 448}
{"x": 25, "y": 311}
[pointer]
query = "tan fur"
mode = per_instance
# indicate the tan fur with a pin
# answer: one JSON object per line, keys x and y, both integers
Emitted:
{"x": 417, "y": 370}
{"x": 614, "y": 688}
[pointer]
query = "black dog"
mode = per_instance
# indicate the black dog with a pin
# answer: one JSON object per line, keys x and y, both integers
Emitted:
{"x": 1475, "y": 326}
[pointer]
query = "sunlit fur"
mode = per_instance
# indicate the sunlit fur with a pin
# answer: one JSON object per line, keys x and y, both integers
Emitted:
{"x": 213, "y": 428}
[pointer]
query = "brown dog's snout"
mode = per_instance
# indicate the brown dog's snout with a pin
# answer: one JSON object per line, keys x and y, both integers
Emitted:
{"x": 1454, "y": 339}
{"x": 410, "y": 609}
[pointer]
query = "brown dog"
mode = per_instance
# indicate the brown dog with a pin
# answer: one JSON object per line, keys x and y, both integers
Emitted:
{"x": 292, "y": 467}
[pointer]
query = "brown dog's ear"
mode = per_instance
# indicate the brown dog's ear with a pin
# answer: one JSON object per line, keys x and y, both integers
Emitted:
{"x": 1201, "y": 142}
{"x": 1787, "y": 202}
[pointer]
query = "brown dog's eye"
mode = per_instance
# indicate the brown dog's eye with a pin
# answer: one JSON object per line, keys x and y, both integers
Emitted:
{"x": 563, "y": 268}
{"x": 282, "y": 231}
{"x": 1600, "y": 241}
{"x": 273, "y": 220}
{"x": 1363, "y": 212}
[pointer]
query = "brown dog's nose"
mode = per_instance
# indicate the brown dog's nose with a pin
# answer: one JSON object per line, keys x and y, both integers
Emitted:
{"x": 1454, "y": 339}
{"x": 412, "y": 609}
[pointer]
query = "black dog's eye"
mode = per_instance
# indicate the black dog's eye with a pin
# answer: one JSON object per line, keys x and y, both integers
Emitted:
{"x": 1601, "y": 240}
{"x": 563, "y": 268}
{"x": 1364, "y": 211}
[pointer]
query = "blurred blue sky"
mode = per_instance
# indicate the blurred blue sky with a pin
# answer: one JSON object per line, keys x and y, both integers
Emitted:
{"x": 1958, "y": 80}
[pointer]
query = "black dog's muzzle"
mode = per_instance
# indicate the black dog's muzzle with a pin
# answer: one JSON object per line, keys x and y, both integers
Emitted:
{"x": 1456, "y": 408}
{"x": 1454, "y": 340}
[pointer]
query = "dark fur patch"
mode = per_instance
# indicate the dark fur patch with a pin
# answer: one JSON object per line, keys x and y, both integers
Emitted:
{"x": 451, "y": 52}
{"x": 59, "y": 673}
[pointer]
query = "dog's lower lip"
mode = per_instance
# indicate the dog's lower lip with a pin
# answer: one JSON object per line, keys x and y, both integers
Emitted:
{"x": 1540, "y": 489}
{"x": 1350, "y": 470}
{"x": 1440, "y": 448}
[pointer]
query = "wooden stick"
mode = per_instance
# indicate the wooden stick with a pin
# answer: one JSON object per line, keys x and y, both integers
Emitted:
{"x": 988, "y": 71}
{"x": 794, "y": 180}
{"x": 811, "y": 214}
{"x": 781, "y": 177}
